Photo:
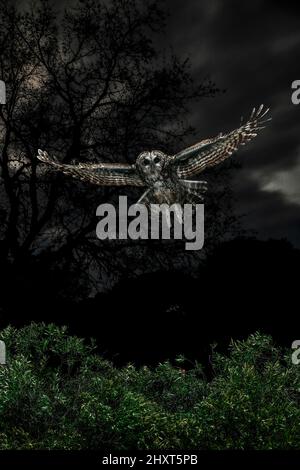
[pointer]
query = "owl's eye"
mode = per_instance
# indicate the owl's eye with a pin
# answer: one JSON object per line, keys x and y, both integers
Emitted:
{"x": 156, "y": 160}
{"x": 146, "y": 162}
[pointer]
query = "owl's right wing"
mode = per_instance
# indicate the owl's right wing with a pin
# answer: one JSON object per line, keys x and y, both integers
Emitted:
{"x": 208, "y": 153}
{"x": 101, "y": 174}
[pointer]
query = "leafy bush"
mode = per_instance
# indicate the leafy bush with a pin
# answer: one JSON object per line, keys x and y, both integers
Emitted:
{"x": 57, "y": 393}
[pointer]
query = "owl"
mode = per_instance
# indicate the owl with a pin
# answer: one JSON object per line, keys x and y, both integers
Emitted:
{"x": 166, "y": 178}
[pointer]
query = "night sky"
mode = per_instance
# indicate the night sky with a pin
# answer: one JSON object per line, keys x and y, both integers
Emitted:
{"x": 251, "y": 49}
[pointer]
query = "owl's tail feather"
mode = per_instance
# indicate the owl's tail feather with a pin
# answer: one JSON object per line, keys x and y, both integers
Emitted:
{"x": 195, "y": 189}
{"x": 194, "y": 186}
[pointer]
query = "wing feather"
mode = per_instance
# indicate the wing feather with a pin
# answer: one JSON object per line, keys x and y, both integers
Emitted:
{"x": 210, "y": 152}
{"x": 101, "y": 174}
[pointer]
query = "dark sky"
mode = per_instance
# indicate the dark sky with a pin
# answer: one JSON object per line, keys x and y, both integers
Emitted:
{"x": 252, "y": 49}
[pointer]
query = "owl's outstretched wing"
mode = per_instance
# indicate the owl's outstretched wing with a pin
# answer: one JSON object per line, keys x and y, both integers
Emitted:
{"x": 102, "y": 174}
{"x": 208, "y": 153}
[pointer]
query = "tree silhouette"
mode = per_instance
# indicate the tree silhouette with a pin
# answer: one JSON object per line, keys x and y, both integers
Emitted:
{"x": 86, "y": 84}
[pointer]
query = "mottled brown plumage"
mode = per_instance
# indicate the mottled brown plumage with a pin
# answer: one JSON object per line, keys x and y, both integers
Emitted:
{"x": 163, "y": 175}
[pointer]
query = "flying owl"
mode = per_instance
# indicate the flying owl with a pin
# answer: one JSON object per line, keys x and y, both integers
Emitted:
{"x": 166, "y": 177}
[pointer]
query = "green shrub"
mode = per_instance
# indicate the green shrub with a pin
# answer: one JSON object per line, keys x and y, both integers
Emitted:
{"x": 57, "y": 393}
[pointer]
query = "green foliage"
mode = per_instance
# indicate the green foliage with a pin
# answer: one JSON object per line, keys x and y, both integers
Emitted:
{"x": 57, "y": 393}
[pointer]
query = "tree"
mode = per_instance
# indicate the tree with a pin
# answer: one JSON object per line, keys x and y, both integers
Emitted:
{"x": 56, "y": 392}
{"x": 87, "y": 84}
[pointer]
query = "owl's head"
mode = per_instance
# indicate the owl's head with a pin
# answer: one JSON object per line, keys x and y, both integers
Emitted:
{"x": 151, "y": 164}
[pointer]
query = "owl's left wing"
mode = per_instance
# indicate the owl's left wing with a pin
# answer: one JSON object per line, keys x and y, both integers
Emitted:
{"x": 101, "y": 174}
{"x": 208, "y": 153}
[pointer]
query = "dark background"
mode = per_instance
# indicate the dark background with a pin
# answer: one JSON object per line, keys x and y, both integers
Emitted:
{"x": 250, "y": 50}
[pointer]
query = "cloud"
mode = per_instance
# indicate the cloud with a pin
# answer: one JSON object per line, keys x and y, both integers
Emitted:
{"x": 249, "y": 48}
{"x": 286, "y": 182}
